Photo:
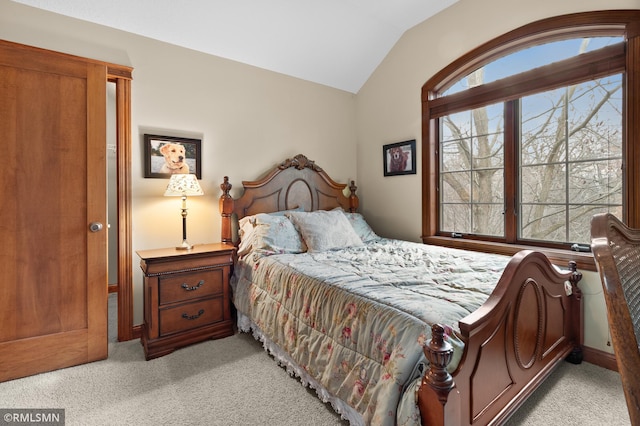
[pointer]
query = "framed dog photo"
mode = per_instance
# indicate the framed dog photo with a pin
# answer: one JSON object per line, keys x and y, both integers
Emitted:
{"x": 399, "y": 158}
{"x": 167, "y": 155}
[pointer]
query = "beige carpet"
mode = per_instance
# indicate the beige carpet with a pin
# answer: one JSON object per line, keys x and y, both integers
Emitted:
{"x": 229, "y": 381}
{"x": 576, "y": 395}
{"x": 232, "y": 381}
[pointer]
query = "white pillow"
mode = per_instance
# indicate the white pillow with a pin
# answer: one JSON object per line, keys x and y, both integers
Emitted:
{"x": 275, "y": 234}
{"x": 325, "y": 230}
{"x": 361, "y": 227}
{"x": 252, "y": 235}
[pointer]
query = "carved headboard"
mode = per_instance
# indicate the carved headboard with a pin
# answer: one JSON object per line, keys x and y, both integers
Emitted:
{"x": 295, "y": 183}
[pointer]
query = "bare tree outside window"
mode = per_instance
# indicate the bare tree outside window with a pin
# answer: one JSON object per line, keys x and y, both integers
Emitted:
{"x": 570, "y": 159}
{"x": 568, "y": 149}
{"x": 472, "y": 172}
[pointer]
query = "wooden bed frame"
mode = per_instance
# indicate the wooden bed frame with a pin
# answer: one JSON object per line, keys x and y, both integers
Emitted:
{"x": 512, "y": 342}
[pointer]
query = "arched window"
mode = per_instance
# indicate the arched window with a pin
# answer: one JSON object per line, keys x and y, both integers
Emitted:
{"x": 529, "y": 136}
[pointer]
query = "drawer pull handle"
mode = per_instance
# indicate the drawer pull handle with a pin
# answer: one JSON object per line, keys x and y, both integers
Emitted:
{"x": 186, "y": 287}
{"x": 193, "y": 317}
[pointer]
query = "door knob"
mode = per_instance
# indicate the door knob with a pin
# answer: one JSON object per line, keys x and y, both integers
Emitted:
{"x": 95, "y": 227}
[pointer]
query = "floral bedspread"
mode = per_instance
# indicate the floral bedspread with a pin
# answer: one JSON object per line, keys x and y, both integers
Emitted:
{"x": 355, "y": 319}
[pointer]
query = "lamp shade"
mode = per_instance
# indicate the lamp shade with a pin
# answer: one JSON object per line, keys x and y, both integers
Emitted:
{"x": 183, "y": 185}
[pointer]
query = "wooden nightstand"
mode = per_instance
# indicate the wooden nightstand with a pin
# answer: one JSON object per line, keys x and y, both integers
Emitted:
{"x": 186, "y": 296}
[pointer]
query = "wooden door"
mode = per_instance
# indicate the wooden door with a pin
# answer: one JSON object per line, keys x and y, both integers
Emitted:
{"x": 53, "y": 285}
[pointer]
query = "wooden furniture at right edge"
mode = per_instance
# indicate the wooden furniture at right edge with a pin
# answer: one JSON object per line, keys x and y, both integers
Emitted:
{"x": 531, "y": 322}
{"x": 616, "y": 249}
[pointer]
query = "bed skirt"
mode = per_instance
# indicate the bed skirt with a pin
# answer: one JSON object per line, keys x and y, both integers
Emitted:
{"x": 346, "y": 412}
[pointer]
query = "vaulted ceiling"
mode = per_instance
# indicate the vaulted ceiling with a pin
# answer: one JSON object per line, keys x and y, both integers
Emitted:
{"x": 338, "y": 43}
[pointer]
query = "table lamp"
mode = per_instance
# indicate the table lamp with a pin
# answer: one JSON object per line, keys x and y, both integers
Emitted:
{"x": 183, "y": 185}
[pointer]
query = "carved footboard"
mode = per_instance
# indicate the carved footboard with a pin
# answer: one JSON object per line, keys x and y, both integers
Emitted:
{"x": 512, "y": 343}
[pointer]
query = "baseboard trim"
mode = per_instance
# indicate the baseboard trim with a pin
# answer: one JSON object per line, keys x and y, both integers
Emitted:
{"x": 137, "y": 331}
{"x": 600, "y": 358}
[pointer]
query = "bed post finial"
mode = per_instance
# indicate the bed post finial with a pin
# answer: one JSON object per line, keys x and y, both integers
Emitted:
{"x": 439, "y": 353}
{"x": 226, "y": 210}
{"x": 576, "y": 356}
{"x": 438, "y": 399}
{"x": 354, "y": 201}
{"x": 576, "y": 275}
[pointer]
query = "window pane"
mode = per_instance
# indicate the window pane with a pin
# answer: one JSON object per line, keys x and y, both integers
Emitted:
{"x": 488, "y": 120}
{"x": 579, "y": 215}
{"x": 490, "y": 186}
{"x": 456, "y": 218}
{"x": 456, "y": 126}
{"x": 488, "y": 219}
{"x": 543, "y": 222}
{"x": 597, "y": 136}
{"x": 571, "y": 159}
{"x": 455, "y": 155}
{"x": 472, "y": 171}
{"x": 527, "y": 59}
{"x": 543, "y": 184}
{"x": 456, "y": 187}
{"x": 596, "y": 182}
{"x": 542, "y": 138}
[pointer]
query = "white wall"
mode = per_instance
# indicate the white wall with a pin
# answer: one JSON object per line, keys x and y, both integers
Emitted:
{"x": 389, "y": 110}
{"x": 249, "y": 119}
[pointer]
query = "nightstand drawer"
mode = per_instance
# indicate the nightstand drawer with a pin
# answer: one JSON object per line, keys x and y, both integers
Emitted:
{"x": 192, "y": 315}
{"x": 181, "y": 287}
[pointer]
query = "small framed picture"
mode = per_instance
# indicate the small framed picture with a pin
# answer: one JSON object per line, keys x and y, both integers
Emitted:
{"x": 399, "y": 158}
{"x": 167, "y": 155}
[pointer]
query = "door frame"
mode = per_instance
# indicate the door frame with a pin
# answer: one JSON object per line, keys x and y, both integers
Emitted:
{"x": 121, "y": 76}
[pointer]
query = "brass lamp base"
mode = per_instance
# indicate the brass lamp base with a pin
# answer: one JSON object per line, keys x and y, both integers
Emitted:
{"x": 184, "y": 246}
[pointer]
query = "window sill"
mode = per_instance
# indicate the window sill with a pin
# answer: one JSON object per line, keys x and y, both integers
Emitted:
{"x": 558, "y": 257}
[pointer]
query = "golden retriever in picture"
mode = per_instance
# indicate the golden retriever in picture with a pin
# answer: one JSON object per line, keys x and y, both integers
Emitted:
{"x": 175, "y": 159}
{"x": 398, "y": 159}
